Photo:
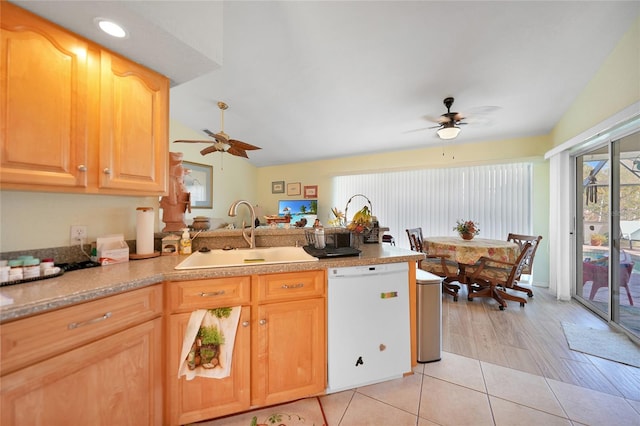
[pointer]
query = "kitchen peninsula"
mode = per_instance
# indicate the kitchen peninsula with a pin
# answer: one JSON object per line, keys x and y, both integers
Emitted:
{"x": 129, "y": 314}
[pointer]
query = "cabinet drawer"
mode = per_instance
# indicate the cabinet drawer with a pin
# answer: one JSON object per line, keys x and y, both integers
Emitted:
{"x": 39, "y": 337}
{"x": 291, "y": 285}
{"x": 210, "y": 293}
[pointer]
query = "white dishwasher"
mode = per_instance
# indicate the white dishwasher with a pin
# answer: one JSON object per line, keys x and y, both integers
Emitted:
{"x": 368, "y": 325}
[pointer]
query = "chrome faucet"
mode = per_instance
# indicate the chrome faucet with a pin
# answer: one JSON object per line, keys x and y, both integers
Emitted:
{"x": 251, "y": 239}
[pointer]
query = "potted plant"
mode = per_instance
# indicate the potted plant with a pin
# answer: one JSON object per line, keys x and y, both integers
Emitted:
{"x": 598, "y": 239}
{"x": 467, "y": 229}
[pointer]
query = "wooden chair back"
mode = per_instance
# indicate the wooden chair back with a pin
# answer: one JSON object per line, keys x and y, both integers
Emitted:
{"x": 521, "y": 240}
{"x": 415, "y": 239}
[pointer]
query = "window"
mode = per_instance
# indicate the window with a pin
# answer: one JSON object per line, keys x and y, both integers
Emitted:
{"x": 498, "y": 197}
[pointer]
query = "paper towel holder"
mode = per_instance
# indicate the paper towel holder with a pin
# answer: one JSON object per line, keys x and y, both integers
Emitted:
{"x": 137, "y": 256}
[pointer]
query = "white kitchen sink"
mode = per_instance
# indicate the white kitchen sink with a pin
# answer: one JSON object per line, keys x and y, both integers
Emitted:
{"x": 245, "y": 257}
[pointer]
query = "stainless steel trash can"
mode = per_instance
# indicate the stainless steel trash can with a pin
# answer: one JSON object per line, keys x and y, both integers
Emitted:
{"x": 429, "y": 316}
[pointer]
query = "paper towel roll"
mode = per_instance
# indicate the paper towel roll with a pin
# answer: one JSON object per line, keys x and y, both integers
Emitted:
{"x": 144, "y": 230}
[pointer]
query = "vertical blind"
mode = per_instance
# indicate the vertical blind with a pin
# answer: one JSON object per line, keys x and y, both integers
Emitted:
{"x": 497, "y": 197}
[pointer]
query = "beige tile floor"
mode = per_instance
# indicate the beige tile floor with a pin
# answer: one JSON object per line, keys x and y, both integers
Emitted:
{"x": 464, "y": 391}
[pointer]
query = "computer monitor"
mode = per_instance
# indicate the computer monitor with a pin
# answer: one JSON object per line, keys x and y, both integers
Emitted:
{"x": 299, "y": 209}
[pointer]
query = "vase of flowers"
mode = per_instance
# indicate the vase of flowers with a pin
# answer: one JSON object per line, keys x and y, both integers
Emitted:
{"x": 467, "y": 229}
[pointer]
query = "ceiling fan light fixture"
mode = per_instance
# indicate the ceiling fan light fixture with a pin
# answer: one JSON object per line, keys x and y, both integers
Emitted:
{"x": 448, "y": 132}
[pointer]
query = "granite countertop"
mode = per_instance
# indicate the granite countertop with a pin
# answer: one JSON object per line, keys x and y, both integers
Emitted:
{"x": 87, "y": 284}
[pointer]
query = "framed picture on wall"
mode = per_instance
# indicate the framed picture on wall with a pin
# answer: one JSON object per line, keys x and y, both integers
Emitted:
{"x": 311, "y": 191}
{"x": 294, "y": 188}
{"x": 198, "y": 179}
{"x": 277, "y": 187}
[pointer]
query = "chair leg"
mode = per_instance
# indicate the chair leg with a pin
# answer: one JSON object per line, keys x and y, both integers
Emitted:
{"x": 489, "y": 290}
{"x": 524, "y": 289}
{"x": 509, "y": 296}
{"x": 451, "y": 289}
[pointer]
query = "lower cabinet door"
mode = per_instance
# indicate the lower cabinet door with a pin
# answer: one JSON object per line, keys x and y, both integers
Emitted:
{"x": 113, "y": 381}
{"x": 205, "y": 398}
{"x": 289, "y": 352}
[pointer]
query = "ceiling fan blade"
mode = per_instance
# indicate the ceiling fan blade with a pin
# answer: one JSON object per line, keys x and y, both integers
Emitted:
{"x": 237, "y": 151}
{"x": 193, "y": 141}
{"x": 209, "y": 150}
{"x": 242, "y": 145}
{"x": 209, "y": 132}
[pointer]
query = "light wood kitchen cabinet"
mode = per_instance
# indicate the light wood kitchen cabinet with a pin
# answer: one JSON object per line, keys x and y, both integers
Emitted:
{"x": 44, "y": 102}
{"x": 289, "y": 340}
{"x": 204, "y": 398}
{"x": 76, "y": 117}
{"x": 134, "y": 118}
{"x": 97, "y": 363}
{"x": 280, "y": 349}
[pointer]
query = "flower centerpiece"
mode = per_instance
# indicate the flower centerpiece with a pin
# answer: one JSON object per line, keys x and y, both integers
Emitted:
{"x": 467, "y": 229}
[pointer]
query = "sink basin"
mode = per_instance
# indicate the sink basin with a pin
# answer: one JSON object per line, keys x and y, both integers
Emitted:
{"x": 245, "y": 257}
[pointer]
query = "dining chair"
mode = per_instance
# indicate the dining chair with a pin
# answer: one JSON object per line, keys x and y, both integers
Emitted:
{"x": 436, "y": 264}
{"x": 521, "y": 240}
{"x": 490, "y": 274}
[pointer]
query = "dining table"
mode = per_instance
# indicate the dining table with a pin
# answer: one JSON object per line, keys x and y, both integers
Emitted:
{"x": 468, "y": 252}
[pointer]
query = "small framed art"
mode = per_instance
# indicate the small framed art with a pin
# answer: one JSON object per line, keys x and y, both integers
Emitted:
{"x": 277, "y": 187}
{"x": 311, "y": 191}
{"x": 294, "y": 188}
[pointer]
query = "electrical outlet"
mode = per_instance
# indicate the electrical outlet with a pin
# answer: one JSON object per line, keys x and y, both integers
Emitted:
{"x": 78, "y": 234}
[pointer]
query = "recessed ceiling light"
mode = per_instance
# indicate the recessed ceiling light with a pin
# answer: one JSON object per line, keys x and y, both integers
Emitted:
{"x": 111, "y": 28}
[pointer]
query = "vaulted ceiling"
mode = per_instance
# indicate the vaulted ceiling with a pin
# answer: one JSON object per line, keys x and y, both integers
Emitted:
{"x": 310, "y": 80}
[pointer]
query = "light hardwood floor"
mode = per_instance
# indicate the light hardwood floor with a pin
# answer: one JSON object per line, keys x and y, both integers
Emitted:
{"x": 531, "y": 339}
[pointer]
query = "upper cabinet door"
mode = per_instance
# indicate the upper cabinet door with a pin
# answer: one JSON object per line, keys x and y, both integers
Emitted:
{"x": 43, "y": 102}
{"x": 134, "y": 138}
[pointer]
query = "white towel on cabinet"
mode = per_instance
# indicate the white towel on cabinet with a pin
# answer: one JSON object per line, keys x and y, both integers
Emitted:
{"x": 205, "y": 327}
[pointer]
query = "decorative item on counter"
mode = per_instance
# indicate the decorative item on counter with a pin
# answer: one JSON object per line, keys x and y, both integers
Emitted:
{"x": 467, "y": 229}
{"x": 362, "y": 225}
{"x": 178, "y": 201}
{"x": 201, "y": 223}
{"x": 317, "y": 224}
{"x": 338, "y": 218}
{"x": 185, "y": 242}
{"x": 170, "y": 245}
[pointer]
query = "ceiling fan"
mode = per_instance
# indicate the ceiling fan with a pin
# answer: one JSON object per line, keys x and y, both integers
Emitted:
{"x": 222, "y": 142}
{"x": 449, "y": 122}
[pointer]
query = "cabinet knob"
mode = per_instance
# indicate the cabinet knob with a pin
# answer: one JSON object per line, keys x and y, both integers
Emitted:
{"x": 82, "y": 168}
{"x": 262, "y": 322}
{"x": 107, "y": 171}
{"x": 245, "y": 323}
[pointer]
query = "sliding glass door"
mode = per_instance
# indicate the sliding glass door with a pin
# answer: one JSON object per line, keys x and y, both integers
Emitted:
{"x": 608, "y": 231}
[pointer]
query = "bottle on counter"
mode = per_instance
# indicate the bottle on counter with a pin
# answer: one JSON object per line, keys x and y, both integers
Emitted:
{"x": 185, "y": 242}
{"x": 319, "y": 238}
{"x": 31, "y": 268}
